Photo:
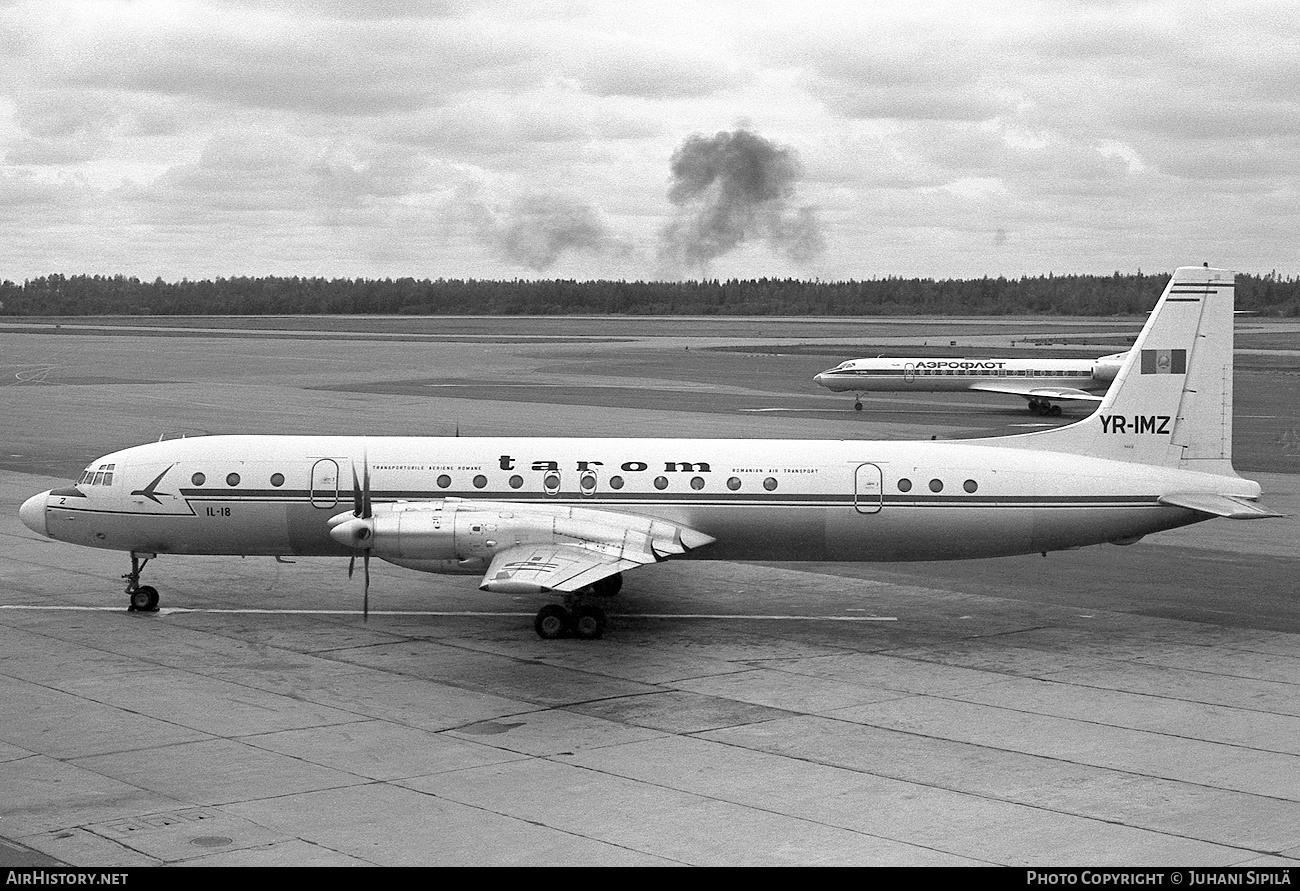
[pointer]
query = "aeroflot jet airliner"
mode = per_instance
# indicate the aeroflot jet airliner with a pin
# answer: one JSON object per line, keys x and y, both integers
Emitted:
{"x": 569, "y": 516}
{"x": 1042, "y": 381}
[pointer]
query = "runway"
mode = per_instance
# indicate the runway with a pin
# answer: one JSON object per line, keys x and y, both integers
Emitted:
{"x": 1109, "y": 706}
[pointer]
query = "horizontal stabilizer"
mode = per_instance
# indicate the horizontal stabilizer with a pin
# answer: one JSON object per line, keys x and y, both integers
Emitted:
{"x": 1219, "y": 505}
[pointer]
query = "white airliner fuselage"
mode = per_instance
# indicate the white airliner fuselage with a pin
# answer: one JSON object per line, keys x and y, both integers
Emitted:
{"x": 569, "y": 516}
{"x": 1041, "y": 381}
{"x": 760, "y": 500}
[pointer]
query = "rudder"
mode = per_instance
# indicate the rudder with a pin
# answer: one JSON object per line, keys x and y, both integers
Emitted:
{"x": 1171, "y": 402}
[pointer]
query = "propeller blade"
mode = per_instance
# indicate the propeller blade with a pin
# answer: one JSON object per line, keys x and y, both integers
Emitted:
{"x": 365, "y": 597}
{"x": 365, "y": 489}
{"x": 359, "y": 533}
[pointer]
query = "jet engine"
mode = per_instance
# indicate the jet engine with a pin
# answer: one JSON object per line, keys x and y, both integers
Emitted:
{"x": 1106, "y": 367}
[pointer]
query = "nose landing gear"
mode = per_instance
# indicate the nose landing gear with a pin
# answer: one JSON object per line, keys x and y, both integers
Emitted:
{"x": 140, "y": 598}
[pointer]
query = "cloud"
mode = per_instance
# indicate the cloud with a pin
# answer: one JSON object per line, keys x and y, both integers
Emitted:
{"x": 622, "y": 65}
{"x": 732, "y": 187}
{"x": 281, "y": 60}
{"x": 242, "y": 136}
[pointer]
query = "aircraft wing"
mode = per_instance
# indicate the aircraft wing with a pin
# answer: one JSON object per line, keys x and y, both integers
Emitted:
{"x": 567, "y": 548}
{"x": 1219, "y": 505}
{"x": 1032, "y": 392}
{"x": 532, "y": 569}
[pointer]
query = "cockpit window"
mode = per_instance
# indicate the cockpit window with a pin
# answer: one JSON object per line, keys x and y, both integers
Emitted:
{"x": 97, "y": 476}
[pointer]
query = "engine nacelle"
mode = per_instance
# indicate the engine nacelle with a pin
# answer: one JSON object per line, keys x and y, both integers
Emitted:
{"x": 452, "y": 533}
{"x": 441, "y": 534}
{"x": 445, "y": 532}
{"x": 1106, "y": 367}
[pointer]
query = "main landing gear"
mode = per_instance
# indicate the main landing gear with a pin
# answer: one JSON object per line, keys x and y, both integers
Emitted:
{"x": 579, "y": 617}
{"x": 140, "y": 598}
{"x": 1043, "y": 407}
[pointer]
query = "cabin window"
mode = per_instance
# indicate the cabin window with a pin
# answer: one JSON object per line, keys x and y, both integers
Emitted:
{"x": 277, "y": 479}
{"x": 551, "y": 483}
{"x": 970, "y": 485}
{"x": 936, "y": 485}
{"x": 516, "y": 481}
{"x": 232, "y": 479}
{"x": 443, "y": 481}
{"x": 770, "y": 483}
{"x": 734, "y": 483}
{"x": 479, "y": 481}
{"x": 587, "y": 482}
{"x": 661, "y": 482}
{"x": 616, "y": 482}
{"x": 904, "y": 485}
{"x": 198, "y": 479}
{"x": 697, "y": 482}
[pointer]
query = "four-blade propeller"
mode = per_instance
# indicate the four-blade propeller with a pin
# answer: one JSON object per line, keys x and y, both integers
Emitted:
{"x": 358, "y": 531}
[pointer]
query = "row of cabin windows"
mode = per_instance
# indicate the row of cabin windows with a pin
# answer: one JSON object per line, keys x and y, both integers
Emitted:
{"x": 994, "y": 372}
{"x": 551, "y": 482}
{"x": 232, "y": 479}
{"x": 936, "y": 485}
{"x": 587, "y": 482}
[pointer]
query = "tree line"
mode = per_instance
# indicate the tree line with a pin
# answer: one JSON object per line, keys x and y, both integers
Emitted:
{"x": 1066, "y": 295}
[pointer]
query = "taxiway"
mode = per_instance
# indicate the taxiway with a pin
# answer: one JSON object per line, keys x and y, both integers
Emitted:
{"x": 1108, "y": 706}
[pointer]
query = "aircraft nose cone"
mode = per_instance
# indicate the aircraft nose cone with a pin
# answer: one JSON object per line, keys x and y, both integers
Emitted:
{"x": 819, "y": 377}
{"x": 32, "y": 513}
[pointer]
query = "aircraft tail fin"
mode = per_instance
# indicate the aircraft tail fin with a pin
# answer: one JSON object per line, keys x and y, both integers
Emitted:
{"x": 1171, "y": 402}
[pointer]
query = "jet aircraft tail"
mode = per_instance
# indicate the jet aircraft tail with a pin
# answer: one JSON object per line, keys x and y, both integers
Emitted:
{"x": 1171, "y": 402}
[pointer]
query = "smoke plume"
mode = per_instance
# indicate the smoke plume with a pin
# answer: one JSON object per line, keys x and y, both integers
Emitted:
{"x": 538, "y": 228}
{"x": 733, "y": 187}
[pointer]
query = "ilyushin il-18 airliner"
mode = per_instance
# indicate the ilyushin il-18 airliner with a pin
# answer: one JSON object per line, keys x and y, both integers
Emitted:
{"x": 567, "y": 517}
{"x": 1044, "y": 382}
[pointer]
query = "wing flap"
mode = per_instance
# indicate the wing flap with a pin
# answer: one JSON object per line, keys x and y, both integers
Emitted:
{"x": 538, "y": 568}
{"x": 1062, "y": 393}
{"x": 1218, "y": 505}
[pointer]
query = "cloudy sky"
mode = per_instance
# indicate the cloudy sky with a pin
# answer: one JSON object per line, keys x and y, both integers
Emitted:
{"x": 644, "y": 140}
